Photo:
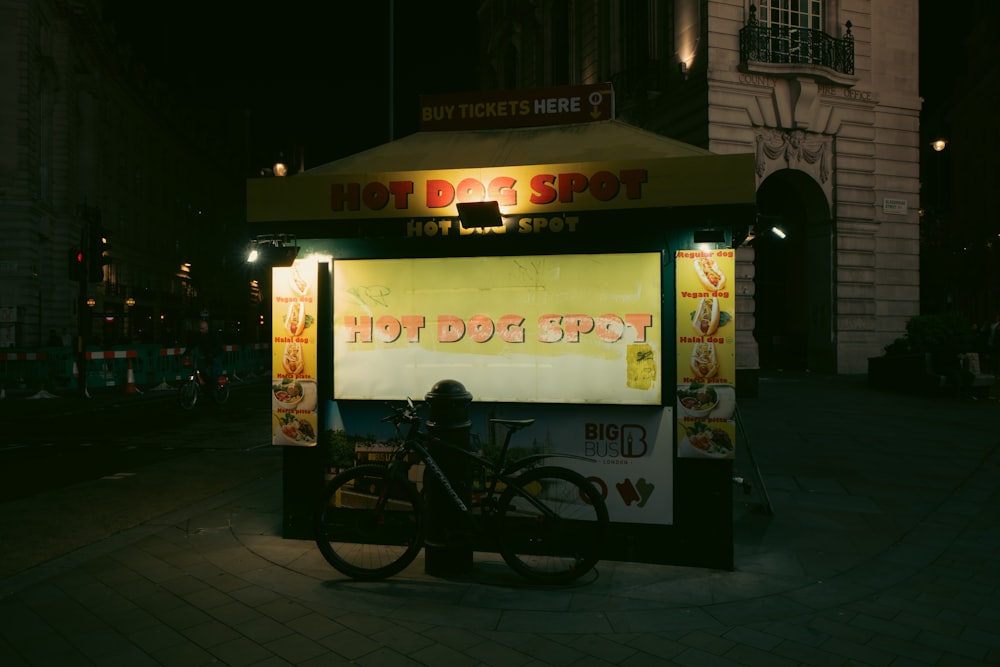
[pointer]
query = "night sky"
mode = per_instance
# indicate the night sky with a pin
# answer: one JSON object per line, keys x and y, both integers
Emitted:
{"x": 310, "y": 74}
{"x": 316, "y": 74}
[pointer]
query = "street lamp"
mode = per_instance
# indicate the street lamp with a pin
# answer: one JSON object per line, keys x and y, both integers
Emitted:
{"x": 939, "y": 144}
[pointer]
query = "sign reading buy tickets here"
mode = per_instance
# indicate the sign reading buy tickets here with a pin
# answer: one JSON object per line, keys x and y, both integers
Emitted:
{"x": 293, "y": 355}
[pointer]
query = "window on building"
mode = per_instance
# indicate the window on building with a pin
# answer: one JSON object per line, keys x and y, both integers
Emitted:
{"x": 792, "y": 13}
{"x": 795, "y": 28}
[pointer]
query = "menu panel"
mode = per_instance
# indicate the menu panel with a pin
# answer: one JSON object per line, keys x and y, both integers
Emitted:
{"x": 293, "y": 355}
{"x": 706, "y": 354}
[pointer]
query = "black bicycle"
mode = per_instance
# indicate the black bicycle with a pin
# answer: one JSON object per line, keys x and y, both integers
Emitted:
{"x": 549, "y": 521}
{"x": 197, "y": 384}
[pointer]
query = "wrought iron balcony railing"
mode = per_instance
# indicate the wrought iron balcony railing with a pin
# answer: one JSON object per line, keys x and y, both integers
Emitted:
{"x": 785, "y": 45}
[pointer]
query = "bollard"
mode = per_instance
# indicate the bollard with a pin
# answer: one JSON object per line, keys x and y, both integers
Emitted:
{"x": 447, "y": 546}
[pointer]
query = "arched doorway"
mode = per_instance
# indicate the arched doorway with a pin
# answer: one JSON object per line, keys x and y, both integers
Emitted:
{"x": 793, "y": 275}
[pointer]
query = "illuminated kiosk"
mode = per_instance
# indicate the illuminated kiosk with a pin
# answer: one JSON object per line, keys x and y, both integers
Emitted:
{"x": 602, "y": 304}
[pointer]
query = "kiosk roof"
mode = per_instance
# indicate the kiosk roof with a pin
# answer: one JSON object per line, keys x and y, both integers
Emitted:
{"x": 587, "y": 142}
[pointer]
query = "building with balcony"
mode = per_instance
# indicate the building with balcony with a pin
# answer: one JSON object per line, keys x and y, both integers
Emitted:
{"x": 824, "y": 94}
{"x": 86, "y": 134}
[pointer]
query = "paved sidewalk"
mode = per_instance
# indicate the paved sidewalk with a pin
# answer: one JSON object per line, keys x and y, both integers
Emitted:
{"x": 882, "y": 549}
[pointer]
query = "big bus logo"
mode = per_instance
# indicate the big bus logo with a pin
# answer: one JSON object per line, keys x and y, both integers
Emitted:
{"x": 612, "y": 441}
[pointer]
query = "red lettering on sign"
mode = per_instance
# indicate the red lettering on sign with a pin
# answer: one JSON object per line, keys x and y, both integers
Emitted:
{"x": 375, "y": 196}
{"x": 542, "y": 191}
{"x": 640, "y": 322}
{"x": 387, "y": 329}
{"x": 413, "y": 324}
{"x": 576, "y": 325}
{"x": 401, "y": 191}
{"x": 480, "y": 328}
{"x": 358, "y": 329}
{"x": 633, "y": 180}
{"x": 469, "y": 189}
{"x": 450, "y": 329}
{"x": 440, "y": 193}
{"x": 345, "y": 197}
{"x": 604, "y": 186}
{"x": 502, "y": 191}
{"x": 511, "y": 329}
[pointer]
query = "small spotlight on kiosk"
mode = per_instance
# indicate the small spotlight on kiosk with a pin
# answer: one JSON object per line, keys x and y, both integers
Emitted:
{"x": 273, "y": 251}
{"x": 473, "y": 215}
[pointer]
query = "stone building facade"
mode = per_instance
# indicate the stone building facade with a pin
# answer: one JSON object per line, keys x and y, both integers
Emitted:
{"x": 84, "y": 130}
{"x": 824, "y": 93}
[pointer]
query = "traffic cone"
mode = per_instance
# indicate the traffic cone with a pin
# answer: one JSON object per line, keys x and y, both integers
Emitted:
{"x": 42, "y": 394}
{"x": 163, "y": 386}
{"x": 130, "y": 387}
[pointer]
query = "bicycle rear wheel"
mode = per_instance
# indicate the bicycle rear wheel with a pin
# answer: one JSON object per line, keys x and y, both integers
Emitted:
{"x": 187, "y": 394}
{"x": 368, "y": 527}
{"x": 551, "y": 523}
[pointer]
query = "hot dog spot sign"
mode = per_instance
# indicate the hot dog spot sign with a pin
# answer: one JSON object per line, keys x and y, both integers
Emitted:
{"x": 706, "y": 354}
{"x": 546, "y": 329}
{"x": 526, "y": 190}
{"x": 293, "y": 355}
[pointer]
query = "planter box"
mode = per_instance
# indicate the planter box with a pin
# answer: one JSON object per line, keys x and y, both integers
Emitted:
{"x": 904, "y": 372}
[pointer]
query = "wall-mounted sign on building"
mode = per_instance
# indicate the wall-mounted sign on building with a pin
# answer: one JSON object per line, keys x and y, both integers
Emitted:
{"x": 533, "y": 107}
{"x": 894, "y": 206}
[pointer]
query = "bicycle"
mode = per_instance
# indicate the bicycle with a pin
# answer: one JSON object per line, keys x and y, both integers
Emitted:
{"x": 549, "y": 521}
{"x": 194, "y": 386}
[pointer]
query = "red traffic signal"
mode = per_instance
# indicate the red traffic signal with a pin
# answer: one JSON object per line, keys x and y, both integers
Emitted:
{"x": 76, "y": 264}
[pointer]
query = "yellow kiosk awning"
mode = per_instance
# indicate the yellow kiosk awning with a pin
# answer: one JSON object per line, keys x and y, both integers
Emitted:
{"x": 531, "y": 171}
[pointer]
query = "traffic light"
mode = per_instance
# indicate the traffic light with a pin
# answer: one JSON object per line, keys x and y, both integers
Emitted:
{"x": 76, "y": 264}
{"x": 97, "y": 246}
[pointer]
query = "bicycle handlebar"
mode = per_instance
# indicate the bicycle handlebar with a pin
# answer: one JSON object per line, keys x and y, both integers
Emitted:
{"x": 404, "y": 414}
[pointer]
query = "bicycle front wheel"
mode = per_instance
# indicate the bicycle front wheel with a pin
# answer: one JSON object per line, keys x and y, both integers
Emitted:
{"x": 187, "y": 394}
{"x": 222, "y": 394}
{"x": 367, "y": 526}
{"x": 551, "y": 524}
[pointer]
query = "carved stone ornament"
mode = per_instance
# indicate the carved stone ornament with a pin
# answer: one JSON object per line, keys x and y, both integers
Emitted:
{"x": 797, "y": 149}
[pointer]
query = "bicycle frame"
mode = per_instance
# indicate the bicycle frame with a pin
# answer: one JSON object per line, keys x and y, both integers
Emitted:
{"x": 546, "y": 521}
{"x": 498, "y": 471}
{"x": 199, "y": 377}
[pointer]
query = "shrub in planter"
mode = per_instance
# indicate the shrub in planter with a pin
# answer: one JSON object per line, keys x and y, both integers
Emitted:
{"x": 928, "y": 352}
{"x": 943, "y": 336}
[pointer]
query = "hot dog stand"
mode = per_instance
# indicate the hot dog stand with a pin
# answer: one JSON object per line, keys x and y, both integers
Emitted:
{"x": 597, "y": 295}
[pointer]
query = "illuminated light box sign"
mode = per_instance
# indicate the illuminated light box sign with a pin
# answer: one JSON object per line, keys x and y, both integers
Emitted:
{"x": 294, "y": 331}
{"x": 706, "y": 353}
{"x": 540, "y": 328}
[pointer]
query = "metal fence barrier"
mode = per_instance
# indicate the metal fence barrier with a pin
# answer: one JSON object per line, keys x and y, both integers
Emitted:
{"x": 57, "y": 369}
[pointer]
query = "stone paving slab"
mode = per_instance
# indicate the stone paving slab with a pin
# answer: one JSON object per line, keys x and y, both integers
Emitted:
{"x": 882, "y": 550}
